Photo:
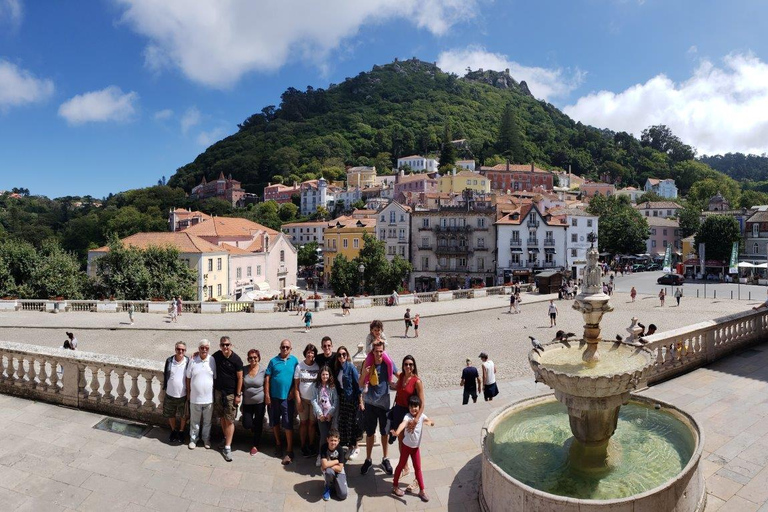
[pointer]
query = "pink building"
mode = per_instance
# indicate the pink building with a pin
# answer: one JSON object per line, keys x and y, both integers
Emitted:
{"x": 281, "y": 193}
{"x": 594, "y": 189}
{"x": 412, "y": 189}
{"x": 664, "y": 233}
{"x": 223, "y": 188}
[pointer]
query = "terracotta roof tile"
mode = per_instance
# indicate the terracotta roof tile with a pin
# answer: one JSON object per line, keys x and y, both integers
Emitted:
{"x": 181, "y": 240}
{"x": 228, "y": 227}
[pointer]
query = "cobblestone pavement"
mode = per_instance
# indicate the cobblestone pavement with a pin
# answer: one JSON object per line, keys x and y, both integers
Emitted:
{"x": 450, "y": 331}
{"x": 52, "y": 458}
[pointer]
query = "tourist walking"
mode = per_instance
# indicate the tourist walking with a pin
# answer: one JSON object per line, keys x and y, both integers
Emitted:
{"x": 228, "y": 391}
{"x": 307, "y": 320}
{"x": 416, "y": 320}
{"x": 374, "y": 403}
{"x": 332, "y": 466}
{"x": 662, "y": 296}
{"x": 410, "y": 428}
{"x": 678, "y": 295}
{"x": 278, "y": 394}
{"x": 304, "y": 378}
{"x": 200, "y": 374}
{"x": 131, "y": 310}
{"x": 376, "y": 335}
{"x": 178, "y": 305}
{"x": 470, "y": 380}
{"x": 490, "y": 389}
{"x": 175, "y": 387}
{"x": 512, "y": 303}
{"x": 172, "y": 313}
{"x": 345, "y": 306}
{"x": 552, "y": 310}
{"x": 348, "y": 388}
{"x": 253, "y": 407}
{"x": 407, "y": 320}
{"x": 325, "y": 405}
{"x": 517, "y": 299}
{"x": 633, "y": 293}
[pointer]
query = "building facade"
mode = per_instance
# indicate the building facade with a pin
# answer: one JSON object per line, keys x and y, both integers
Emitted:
{"x": 505, "y": 177}
{"x": 280, "y": 193}
{"x": 344, "y": 236}
{"x": 457, "y": 182}
{"x": 394, "y": 229}
{"x": 223, "y": 188}
{"x": 300, "y": 233}
{"x": 592, "y": 189}
{"x": 412, "y": 188}
{"x": 664, "y": 233}
{"x": 663, "y": 209}
{"x": 452, "y": 247}
{"x": 418, "y": 163}
{"x": 361, "y": 177}
{"x": 316, "y": 193}
{"x": 664, "y": 188}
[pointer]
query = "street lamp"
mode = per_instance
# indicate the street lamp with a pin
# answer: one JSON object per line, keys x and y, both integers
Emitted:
{"x": 361, "y": 268}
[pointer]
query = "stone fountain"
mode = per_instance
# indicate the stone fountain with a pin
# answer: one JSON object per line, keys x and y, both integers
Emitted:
{"x": 583, "y": 466}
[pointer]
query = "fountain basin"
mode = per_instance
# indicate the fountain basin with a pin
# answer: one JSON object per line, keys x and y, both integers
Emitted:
{"x": 539, "y": 453}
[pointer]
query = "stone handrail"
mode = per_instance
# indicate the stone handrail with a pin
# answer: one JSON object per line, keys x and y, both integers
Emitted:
{"x": 681, "y": 350}
{"x": 118, "y": 386}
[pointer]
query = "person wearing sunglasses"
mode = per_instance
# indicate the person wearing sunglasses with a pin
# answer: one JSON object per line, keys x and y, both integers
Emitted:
{"x": 348, "y": 388}
{"x": 253, "y": 406}
{"x": 175, "y": 387}
{"x": 228, "y": 391}
{"x": 200, "y": 374}
{"x": 278, "y": 393}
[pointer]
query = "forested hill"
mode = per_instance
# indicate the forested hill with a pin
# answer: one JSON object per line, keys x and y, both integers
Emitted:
{"x": 741, "y": 167}
{"x": 410, "y": 107}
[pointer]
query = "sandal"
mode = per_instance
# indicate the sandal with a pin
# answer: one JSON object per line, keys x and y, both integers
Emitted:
{"x": 406, "y": 472}
{"x": 397, "y": 491}
{"x": 424, "y": 496}
{"x": 412, "y": 486}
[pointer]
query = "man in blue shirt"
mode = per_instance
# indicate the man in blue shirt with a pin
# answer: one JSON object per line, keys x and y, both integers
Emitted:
{"x": 278, "y": 390}
{"x": 470, "y": 379}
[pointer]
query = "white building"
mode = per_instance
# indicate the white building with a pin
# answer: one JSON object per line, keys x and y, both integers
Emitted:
{"x": 394, "y": 228}
{"x": 301, "y": 233}
{"x": 418, "y": 163}
{"x": 349, "y": 196}
{"x": 466, "y": 164}
{"x": 579, "y": 224}
{"x": 315, "y": 193}
{"x": 664, "y": 188}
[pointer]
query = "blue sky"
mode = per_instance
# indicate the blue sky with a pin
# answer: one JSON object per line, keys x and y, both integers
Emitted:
{"x": 106, "y": 95}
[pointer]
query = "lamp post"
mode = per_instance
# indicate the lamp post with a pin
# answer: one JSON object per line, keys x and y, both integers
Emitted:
{"x": 314, "y": 282}
{"x": 361, "y": 268}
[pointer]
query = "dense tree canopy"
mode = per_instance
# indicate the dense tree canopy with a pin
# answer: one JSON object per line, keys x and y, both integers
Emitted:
{"x": 718, "y": 232}
{"x": 380, "y": 276}
{"x": 622, "y": 229}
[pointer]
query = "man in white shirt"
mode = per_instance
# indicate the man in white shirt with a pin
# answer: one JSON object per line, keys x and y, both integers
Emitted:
{"x": 200, "y": 375}
{"x": 490, "y": 389}
{"x": 175, "y": 386}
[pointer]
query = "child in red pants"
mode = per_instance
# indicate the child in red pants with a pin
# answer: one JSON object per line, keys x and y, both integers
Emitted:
{"x": 410, "y": 447}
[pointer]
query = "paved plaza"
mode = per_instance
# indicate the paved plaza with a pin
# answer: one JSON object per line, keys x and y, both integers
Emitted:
{"x": 52, "y": 458}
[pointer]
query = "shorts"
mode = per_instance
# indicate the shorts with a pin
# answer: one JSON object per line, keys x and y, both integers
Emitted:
{"x": 373, "y": 415}
{"x": 281, "y": 412}
{"x": 490, "y": 390}
{"x": 308, "y": 414}
{"x": 224, "y": 405}
{"x": 415, "y": 327}
{"x": 553, "y": 315}
{"x": 174, "y": 407}
{"x": 307, "y": 324}
{"x": 408, "y": 323}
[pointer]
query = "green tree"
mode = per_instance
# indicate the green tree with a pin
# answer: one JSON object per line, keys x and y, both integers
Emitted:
{"x": 689, "y": 218}
{"x": 509, "y": 144}
{"x": 381, "y": 276}
{"x": 288, "y": 212}
{"x": 661, "y": 138}
{"x": 56, "y": 273}
{"x": 20, "y": 259}
{"x": 718, "y": 232}
{"x": 703, "y": 190}
{"x": 447, "y": 149}
{"x": 345, "y": 278}
{"x": 649, "y": 196}
{"x": 307, "y": 254}
{"x": 750, "y": 198}
{"x": 622, "y": 229}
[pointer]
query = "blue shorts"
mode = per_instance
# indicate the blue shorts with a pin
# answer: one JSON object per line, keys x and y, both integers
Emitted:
{"x": 282, "y": 412}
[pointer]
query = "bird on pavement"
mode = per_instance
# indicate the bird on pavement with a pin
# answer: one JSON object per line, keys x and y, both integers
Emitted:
{"x": 619, "y": 338}
{"x": 536, "y": 344}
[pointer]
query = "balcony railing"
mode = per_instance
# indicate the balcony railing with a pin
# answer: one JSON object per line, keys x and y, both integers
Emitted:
{"x": 453, "y": 229}
{"x": 427, "y": 247}
{"x": 452, "y": 250}
{"x": 515, "y": 242}
{"x": 481, "y": 248}
{"x": 532, "y": 242}
{"x": 549, "y": 242}
{"x": 532, "y": 223}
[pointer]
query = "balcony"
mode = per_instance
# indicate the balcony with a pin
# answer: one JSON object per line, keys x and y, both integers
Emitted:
{"x": 532, "y": 242}
{"x": 282, "y": 270}
{"x": 549, "y": 242}
{"x": 422, "y": 247}
{"x": 480, "y": 248}
{"x": 452, "y": 250}
{"x": 532, "y": 223}
{"x": 330, "y": 249}
{"x": 515, "y": 242}
{"x": 453, "y": 229}
{"x": 456, "y": 268}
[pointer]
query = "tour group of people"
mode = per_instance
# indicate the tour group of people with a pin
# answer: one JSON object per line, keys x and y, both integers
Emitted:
{"x": 333, "y": 402}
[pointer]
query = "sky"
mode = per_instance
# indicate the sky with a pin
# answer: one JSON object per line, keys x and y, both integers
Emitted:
{"x": 102, "y": 96}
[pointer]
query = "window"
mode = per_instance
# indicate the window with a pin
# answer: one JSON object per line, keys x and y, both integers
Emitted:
{"x": 425, "y": 263}
{"x": 239, "y": 273}
{"x": 453, "y": 221}
{"x": 391, "y": 250}
{"x": 258, "y": 270}
{"x": 481, "y": 242}
{"x": 355, "y": 243}
{"x": 589, "y": 223}
{"x": 665, "y": 243}
{"x": 248, "y": 271}
{"x": 481, "y": 222}
{"x": 392, "y": 217}
{"x": 402, "y": 217}
{"x": 401, "y": 234}
{"x": 516, "y": 235}
{"x": 382, "y": 217}
{"x": 574, "y": 237}
{"x": 647, "y": 214}
{"x": 218, "y": 290}
{"x": 480, "y": 264}
{"x": 756, "y": 248}
{"x": 515, "y": 260}
{"x": 210, "y": 265}
{"x": 462, "y": 262}
{"x": 425, "y": 223}
{"x": 549, "y": 257}
{"x": 210, "y": 291}
{"x": 444, "y": 222}
{"x": 442, "y": 242}
{"x": 282, "y": 256}
{"x": 669, "y": 213}
{"x": 548, "y": 235}
{"x": 442, "y": 261}
{"x": 655, "y": 213}
{"x": 653, "y": 243}
{"x": 665, "y": 231}
{"x": 334, "y": 243}
{"x": 755, "y": 229}
{"x": 344, "y": 243}
{"x": 402, "y": 250}
{"x": 382, "y": 234}
{"x": 424, "y": 241}
{"x": 574, "y": 222}
{"x": 573, "y": 253}
{"x": 653, "y": 231}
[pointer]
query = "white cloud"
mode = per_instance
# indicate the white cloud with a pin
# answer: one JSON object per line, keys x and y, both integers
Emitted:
{"x": 544, "y": 83}
{"x": 190, "y": 118}
{"x": 18, "y": 86}
{"x": 207, "y": 138}
{"x": 12, "y": 12}
{"x": 163, "y": 115}
{"x": 215, "y": 42}
{"x": 717, "y": 110}
{"x": 109, "y": 104}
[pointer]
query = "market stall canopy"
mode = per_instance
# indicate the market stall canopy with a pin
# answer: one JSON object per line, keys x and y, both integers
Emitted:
{"x": 745, "y": 264}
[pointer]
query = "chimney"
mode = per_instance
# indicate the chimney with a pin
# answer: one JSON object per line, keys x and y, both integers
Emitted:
{"x": 532, "y": 168}
{"x": 507, "y": 165}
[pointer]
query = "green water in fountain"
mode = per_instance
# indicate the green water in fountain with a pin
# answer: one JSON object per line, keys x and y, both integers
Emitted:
{"x": 653, "y": 446}
{"x": 614, "y": 359}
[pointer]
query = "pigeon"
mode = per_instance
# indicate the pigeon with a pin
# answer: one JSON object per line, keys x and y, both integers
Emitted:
{"x": 569, "y": 335}
{"x": 559, "y": 336}
{"x": 536, "y": 344}
{"x": 619, "y": 338}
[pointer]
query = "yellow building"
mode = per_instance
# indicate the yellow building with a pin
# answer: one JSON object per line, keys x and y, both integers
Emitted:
{"x": 345, "y": 236}
{"x": 361, "y": 177}
{"x": 457, "y": 182}
{"x": 689, "y": 247}
{"x": 210, "y": 261}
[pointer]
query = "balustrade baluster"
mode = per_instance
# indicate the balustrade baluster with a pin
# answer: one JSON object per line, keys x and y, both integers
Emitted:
{"x": 2, "y": 368}
{"x": 11, "y": 369}
{"x": 20, "y": 371}
{"x": 55, "y": 376}
{"x": 108, "y": 396}
{"x": 149, "y": 393}
{"x": 42, "y": 375}
{"x": 134, "y": 401}
{"x": 121, "y": 399}
{"x": 94, "y": 394}
{"x": 32, "y": 374}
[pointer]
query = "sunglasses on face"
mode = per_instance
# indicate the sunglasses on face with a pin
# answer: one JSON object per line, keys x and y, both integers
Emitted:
{"x": 225, "y": 345}
{"x": 253, "y": 358}
{"x": 285, "y": 348}
{"x": 343, "y": 354}
{"x": 407, "y": 364}
{"x": 180, "y": 349}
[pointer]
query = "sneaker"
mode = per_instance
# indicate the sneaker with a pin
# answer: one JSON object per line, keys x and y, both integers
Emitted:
{"x": 180, "y": 436}
{"x": 397, "y": 491}
{"x": 227, "y": 455}
{"x": 192, "y": 445}
{"x": 317, "y": 462}
{"x": 207, "y": 445}
{"x": 353, "y": 454}
{"x": 305, "y": 451}
{"x": 172, "y": 437}
{"x": 327, "y": 493}
{"x": 366, "y": 466}
{"x": 387, "y": 466}
{"x": 254, "y": 451}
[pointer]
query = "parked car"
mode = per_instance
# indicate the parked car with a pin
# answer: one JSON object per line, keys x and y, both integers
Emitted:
{"x": 638, "y": 267}
{"x": 673, "y": 279}
{"x": 653, "y": 266}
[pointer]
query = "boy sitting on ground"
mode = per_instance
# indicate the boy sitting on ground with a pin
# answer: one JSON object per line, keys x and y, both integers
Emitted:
{"x": 332, "y": 465}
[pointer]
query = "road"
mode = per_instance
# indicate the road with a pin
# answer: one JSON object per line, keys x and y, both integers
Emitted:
{"x": 645, "y": 283}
